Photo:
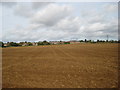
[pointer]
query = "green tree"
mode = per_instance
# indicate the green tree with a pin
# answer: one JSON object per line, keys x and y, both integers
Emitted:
{"x": 29, "y": 44}
{"x": 13, "y": 44}
{"x": 81, "y": 41}
{"x": 40, "y": 43}
{"x": 89, "y": 41}
{"x": 66, "y": 42}
{"x": 1, "y": 44}
{"x": 43, "y": 43}
{"x": 21, "y": 43}
{"x": 98, "y": 40}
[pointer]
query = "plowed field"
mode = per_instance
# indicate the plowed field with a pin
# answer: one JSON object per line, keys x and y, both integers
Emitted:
{"x": 61, "y": 66}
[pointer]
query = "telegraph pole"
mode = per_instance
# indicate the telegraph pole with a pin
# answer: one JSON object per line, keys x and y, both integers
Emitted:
{"x": 107, "y": 38}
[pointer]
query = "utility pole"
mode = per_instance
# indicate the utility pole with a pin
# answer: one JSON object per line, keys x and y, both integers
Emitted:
{"x": 107, "y": 38}
{"x": 76, "y": 39}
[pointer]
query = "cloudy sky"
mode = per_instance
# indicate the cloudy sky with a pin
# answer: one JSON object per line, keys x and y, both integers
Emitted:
{"x": 38, "y": 21}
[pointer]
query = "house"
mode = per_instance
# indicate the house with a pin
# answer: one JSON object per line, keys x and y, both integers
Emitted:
{"x": 24, "y": 44}
{"x": 35, "y": 44}
{"x": 74, "y": 42}
{"x": 56, "y": 42}
{"x": 5, "y": 44}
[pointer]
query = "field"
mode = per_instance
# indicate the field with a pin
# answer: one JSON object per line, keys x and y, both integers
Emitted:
{"x": 61, "y": 66}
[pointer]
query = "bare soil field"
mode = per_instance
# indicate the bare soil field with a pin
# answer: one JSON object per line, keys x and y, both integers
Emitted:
{"x": 61, "y": 66}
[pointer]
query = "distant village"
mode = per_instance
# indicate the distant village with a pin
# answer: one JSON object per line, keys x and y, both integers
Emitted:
{"x": 11, "y": 44}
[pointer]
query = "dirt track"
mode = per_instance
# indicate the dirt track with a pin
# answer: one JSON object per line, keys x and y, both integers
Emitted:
{"x": 61, "y": 66}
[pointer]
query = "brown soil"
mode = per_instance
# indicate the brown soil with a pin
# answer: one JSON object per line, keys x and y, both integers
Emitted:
{"x": 61, "y": 66}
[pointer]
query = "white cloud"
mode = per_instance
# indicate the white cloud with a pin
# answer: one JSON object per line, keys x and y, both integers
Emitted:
{"x": 70, "y": 24}
{"x": 62, "y": 22}
{"x": 52, "y": 14}
{"x": 96, "y": 26}
{"x": 110, "y": 8}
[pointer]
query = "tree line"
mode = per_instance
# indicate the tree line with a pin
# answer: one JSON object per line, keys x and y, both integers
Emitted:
{"x": 14, "y": 44}
{"x": 11, "y": 44}
{"x": 100, "y": 41}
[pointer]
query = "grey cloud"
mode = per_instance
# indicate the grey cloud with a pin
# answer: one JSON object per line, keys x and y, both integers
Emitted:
{"x": 108, "y": 29}
{"x": 9, "y": 4}
{"x": 27, "y": 10}
{"x": 37, "y": 5}
{"x": 23, "y": 10}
